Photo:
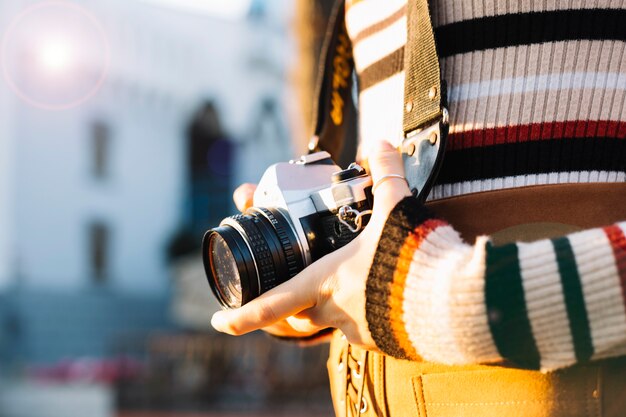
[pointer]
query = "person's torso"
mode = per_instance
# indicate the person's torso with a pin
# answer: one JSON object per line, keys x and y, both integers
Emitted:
{"x": 536, "y": 89}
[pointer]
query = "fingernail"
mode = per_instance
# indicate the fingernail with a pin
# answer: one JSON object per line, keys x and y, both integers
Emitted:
{"x": 218, "y": 321}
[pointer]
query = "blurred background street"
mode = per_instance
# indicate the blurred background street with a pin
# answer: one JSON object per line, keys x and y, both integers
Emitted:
{"x": 125, "y": 125}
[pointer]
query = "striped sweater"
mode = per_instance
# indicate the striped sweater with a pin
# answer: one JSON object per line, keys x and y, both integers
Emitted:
{"x": 537, "y": 95}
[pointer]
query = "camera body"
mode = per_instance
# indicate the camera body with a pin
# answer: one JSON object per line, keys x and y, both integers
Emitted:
{"x": 294, "y": 221}
{"x": 310, "y": 191}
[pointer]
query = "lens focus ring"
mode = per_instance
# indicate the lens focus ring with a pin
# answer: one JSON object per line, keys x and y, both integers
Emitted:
{"x": 260, "y": 250}
{"x": 293, "y": 266}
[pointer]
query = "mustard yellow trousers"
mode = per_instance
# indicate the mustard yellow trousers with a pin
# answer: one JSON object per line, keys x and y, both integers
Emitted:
{"x": 377, "y": 385}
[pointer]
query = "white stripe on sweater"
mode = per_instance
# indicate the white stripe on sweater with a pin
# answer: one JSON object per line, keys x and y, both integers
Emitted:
{"x": 468, "y": 311}
{"x": 366, "y": 13}
{"x": 535, "y": 59}
{"x": 443, "y": 328}
{"x": 601, "y": 289}
{"x": 379, "y": 45}
{"x": 547, "y": 313}
{"x": 492, "y": 184}
{"x": 381, "y": 114}
{"x": 547, "y": 82}
{"x": 524, "y": 109}
{"x": 426, "y": 298}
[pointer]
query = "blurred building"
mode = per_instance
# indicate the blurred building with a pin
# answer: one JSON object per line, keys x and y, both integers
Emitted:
{"x": 92, "y": 196}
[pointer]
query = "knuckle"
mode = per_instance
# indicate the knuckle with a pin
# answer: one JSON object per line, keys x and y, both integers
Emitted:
{"x": 338, "y": 321}
{"x": 314, "y": 319}
{"x": 327, "y": 288}
{"x": 266, "y": 314}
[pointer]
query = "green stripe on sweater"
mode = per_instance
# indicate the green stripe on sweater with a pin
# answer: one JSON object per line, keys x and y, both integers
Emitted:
{"x": 506, "y": 307}
{"x": 574, "y": 299}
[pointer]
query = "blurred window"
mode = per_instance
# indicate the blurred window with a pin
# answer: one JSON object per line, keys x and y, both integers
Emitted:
{"x": 100, "y": 147}
{"x": 99, "y": 236}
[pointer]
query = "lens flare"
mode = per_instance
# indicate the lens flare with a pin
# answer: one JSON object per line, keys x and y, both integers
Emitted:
{"x": 55, "y": 55}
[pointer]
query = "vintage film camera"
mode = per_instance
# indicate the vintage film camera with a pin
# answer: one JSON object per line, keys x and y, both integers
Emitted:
{"x": 302, "y": 211}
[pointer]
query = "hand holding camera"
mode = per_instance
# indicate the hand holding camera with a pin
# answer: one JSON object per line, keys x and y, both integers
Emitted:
{"x": 330, "y": 292}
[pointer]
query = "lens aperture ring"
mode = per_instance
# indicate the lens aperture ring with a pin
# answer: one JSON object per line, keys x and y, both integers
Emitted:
{"x": 260, "y": 249}
{"x": 293, "y": 259}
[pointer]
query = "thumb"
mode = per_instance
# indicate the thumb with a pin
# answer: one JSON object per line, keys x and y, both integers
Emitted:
{"x": 243, "y": 196}
{"x": 387, "y": 171}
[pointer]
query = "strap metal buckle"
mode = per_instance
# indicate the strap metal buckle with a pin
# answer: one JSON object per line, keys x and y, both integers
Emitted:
{"x": 422, "y": 154}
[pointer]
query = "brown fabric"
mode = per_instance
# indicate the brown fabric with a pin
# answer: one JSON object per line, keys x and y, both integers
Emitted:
{"x": 552, "y": 209}
{"x": 399, "y": 388}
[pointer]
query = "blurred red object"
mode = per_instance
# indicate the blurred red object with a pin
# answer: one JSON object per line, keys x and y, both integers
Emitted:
{"x": 88, "y": 370}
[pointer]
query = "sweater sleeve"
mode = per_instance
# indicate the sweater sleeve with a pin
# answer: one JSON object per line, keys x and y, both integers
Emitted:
{"x": 541, "y": 305}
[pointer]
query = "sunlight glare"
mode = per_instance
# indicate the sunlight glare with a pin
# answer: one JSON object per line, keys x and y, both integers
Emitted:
{"x": 56, "y": 55}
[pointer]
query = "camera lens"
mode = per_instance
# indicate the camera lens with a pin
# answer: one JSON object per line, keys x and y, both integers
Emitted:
{"x": 248, "y": 254}
{"x": 223, "y": 264}
{"x": 229, "y": 266}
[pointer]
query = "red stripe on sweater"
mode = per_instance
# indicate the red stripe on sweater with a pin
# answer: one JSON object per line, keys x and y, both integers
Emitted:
{"x": 537, "y": 131}
{"x": 618, "y": 243}
{"x": 421, "y": 232}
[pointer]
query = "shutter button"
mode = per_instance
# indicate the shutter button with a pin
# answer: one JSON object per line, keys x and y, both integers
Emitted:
{"x": 353, "y": 171}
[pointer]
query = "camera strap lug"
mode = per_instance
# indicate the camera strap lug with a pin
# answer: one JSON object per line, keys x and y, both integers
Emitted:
{"x": 422, "y": 155}
{"x": 348, "y": 215}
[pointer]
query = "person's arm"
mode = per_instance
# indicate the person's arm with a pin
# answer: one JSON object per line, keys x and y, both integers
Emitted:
{"x": 409, "y": 286}
{"x": 541, "y": 305}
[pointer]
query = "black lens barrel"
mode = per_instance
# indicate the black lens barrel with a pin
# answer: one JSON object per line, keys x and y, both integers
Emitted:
{"x": 288, "y": 256}
{"x": 265, "y": 248}
{"x": 245, "y": 264}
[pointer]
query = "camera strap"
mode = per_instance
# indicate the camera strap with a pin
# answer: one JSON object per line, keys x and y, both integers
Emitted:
{"x": 334, "y": 88}
{"x": 425, "y": 122}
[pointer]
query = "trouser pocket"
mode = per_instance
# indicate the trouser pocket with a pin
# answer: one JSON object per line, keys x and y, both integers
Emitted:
{"x": 509, "y": 392}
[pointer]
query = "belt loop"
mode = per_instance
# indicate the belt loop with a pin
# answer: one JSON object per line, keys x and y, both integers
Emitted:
{"x": 361, "y": 404}
{"x": 344, "y": 368}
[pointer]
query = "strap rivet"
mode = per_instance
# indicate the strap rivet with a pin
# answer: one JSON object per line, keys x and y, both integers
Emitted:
{"x": 432, "y": 93}
{"x": 433, "y": 138}
{"x": 313, "y": 143}
{"x": 409, "y": 106}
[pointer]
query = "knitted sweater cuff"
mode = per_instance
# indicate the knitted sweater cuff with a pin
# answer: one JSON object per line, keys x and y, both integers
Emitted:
{"x": 545, "y": 305}
{"x": 411, "y": 221}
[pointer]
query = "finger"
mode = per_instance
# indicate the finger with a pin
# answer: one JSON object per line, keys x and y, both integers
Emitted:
{"x": 284, "y": 328}
{"x": 277, "y": 304}
{"x": 385, "y": 160}
{"x": 243, "y": 196}
{"x": 303, "y": 325}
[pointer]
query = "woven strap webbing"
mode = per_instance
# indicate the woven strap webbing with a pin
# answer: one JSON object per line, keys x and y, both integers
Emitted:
{"x": 423, "y": 86}
{"x": 424, "y": 90}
